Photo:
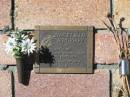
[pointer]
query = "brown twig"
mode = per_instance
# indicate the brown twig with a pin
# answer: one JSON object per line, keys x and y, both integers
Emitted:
{"x": 119, "y": 35}
{"x": 127, "y": 84}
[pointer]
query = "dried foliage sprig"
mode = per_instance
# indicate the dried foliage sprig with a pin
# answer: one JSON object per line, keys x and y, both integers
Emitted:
{"x": 121, "y": 38}
{"x": 119, "y": 33}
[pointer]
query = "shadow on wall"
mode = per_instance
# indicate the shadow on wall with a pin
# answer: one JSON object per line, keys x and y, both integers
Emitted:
{"x": 45, "y": 56}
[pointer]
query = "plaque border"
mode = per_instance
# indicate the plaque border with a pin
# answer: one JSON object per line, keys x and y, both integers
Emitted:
{"x": 90, "y": 50}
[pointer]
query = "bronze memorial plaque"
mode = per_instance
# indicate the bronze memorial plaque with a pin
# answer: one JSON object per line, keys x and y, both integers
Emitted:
{"x": 64, "y": 49}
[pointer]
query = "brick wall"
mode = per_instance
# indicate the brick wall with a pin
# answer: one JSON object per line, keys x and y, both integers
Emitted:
{"x": 122, "y": 10}
{"x": 25, "y": 14}
{"x": 28, "y": 14}
{"x": 60, "y": 12}
{"x": 5, "y": 8}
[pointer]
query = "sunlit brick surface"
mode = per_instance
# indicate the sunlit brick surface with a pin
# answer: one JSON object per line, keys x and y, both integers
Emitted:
{"x": 66, "y": 85}
{"x": 60, "y": 12}
{"x": 5, "y": 6}
{"x": 5, "y": 84}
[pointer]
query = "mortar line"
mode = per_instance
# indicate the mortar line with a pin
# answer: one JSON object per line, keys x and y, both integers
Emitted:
{"x": 110, "y": 83}
{"x": 12, "y": 14}
{"x": 13, "y": 84}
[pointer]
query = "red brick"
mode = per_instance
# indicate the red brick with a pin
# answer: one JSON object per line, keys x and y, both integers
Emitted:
{"x": 65, "y": 85}
{"x": 60, "y": 12}
{"x": 106, "y": 49}
{"x": 5, "y": 84}
{"x": 122, "y": 9}
{"x": 5, "y": 6}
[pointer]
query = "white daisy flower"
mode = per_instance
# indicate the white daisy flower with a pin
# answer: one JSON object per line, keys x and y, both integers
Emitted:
{"x": 28, "y": 46}
{"x": 20, "y": 43}
{"x": 10, "y": 45}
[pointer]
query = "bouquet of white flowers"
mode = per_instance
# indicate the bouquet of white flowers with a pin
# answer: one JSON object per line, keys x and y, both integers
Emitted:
{"x": 20, "y": 43}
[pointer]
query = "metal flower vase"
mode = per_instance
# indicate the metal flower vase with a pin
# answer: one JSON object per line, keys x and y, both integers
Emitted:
{"x": 21, "y": 62}
{"x": 124, "y": 67}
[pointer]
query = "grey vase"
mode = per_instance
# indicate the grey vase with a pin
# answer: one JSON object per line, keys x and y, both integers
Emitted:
{"x": 21, "y": 62}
